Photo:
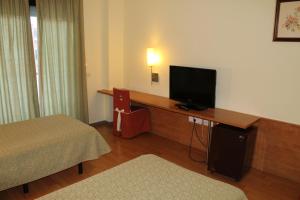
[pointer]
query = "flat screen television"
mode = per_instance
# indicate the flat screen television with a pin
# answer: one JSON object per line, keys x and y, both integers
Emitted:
{"x": 195, "y": 88}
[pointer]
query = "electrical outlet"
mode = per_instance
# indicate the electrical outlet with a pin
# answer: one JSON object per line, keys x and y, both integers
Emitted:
{"x": 196, "y": 119}
{"x": 192, "y": 119}
{"x": 205, "y": 122}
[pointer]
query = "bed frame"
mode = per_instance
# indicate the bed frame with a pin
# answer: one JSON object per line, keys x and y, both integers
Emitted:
{"x": 26, "y": 186}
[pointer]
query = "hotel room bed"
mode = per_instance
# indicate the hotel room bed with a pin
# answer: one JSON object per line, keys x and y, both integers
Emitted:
{"x": 148, "y": 177}
{"x": 32, "y": 149}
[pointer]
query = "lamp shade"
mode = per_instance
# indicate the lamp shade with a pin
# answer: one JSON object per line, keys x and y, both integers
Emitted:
{"x": 152, "y": 57}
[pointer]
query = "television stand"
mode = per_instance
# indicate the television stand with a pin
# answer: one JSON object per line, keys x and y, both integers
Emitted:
{"x": 188, "y": 107}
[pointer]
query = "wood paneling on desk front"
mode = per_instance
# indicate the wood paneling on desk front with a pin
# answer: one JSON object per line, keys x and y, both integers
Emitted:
{"x": 277, "y": 149}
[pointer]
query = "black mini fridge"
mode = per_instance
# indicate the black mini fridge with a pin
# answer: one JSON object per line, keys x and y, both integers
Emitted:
{"x": 231, "y": 150}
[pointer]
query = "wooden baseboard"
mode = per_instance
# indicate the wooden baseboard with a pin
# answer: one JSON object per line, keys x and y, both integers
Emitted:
{"x": 101, "y": 123}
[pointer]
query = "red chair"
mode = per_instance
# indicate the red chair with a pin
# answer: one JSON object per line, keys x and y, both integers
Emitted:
{"x": 129, "y": 121}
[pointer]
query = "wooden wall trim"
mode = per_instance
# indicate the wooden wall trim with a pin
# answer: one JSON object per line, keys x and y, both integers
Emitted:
{"x": 277, "y": 149}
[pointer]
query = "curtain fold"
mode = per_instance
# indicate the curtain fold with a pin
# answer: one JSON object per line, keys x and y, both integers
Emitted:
{"x": 61, "y": 58}
{"x": 18, "y": 88}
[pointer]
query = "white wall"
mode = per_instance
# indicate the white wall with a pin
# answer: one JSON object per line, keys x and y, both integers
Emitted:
{"x": 255, "y": 75}
{"x": 96, "y": 52}
{"x": 115, "y": 20}
{"x": 115, "y": 39}
{"x": 103, "y": 27}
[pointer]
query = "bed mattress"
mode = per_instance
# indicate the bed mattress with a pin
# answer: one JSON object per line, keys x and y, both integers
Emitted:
{"x": 148, "y": 177}
{"x": 32, "y": 149}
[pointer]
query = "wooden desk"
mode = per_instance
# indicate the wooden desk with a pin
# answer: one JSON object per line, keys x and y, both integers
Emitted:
{"x": 212, "y": 115}
{"x": 216, "y": 115}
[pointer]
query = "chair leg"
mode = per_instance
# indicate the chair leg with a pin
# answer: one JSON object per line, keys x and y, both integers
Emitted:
{"x": 80, "y": 168}
{"x": 25, "y": 188}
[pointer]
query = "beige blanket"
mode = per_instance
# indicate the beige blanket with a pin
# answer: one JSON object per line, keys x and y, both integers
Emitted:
{"x": 33, "y": 149}
{"x": 148, "y": 178}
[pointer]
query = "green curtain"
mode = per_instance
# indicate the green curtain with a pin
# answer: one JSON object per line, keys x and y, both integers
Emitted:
{"x": 62, "y": 69}
{"x": 18, "y": 89}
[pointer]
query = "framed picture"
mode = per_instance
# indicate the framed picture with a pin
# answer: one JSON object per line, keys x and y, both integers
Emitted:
{"x": 287, "y": 21}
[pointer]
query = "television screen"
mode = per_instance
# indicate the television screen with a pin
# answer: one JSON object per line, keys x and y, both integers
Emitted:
{"x": 195, "y": 87}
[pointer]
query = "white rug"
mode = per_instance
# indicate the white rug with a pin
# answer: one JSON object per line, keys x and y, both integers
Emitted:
{"x": 148, "y": 177}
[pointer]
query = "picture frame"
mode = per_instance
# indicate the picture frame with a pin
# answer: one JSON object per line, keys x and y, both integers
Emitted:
{"x": 287, "y": 21}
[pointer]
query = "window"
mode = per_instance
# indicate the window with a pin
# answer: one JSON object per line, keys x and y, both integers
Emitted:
{"x": 34, "y": 30}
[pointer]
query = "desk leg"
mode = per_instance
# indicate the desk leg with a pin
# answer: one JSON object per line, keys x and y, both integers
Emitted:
{"x": 209, "y": 142}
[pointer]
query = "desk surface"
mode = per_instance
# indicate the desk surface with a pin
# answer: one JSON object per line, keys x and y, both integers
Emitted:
{"x": 218, "y": 115}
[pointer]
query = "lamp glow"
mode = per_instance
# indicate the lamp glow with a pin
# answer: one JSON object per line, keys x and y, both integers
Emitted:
{"x": 152, "y": 57}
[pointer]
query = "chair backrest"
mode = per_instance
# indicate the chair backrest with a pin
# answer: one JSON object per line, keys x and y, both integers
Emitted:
{"x": 121, "y": 99}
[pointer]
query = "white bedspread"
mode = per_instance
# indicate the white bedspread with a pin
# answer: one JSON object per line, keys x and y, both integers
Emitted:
{"x": 148, "y": 178}
{"x": 32, "y": 149}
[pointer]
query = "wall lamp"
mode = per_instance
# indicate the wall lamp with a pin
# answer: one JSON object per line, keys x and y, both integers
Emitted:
{"x": 152, "y": 60}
